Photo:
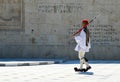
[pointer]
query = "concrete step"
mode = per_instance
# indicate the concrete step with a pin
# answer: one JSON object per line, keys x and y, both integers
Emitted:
{"x": 29, "y": 62}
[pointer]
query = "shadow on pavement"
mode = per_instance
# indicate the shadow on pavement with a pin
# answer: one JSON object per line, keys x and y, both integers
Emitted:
{"x": 86, "y": 73}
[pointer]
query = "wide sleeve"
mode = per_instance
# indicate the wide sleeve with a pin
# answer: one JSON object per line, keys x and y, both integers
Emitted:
{"x": 78, "y": 39}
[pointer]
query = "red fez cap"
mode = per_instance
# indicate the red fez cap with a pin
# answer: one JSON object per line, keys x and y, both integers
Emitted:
{"x": 85, "y": 20}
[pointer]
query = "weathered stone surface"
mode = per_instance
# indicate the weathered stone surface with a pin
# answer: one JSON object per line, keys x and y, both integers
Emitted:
{"x": 47, "y": 26}
{"x": 10, "y": 14}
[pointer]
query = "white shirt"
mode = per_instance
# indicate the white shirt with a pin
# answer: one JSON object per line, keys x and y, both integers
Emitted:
{"x": 81, "y": 42}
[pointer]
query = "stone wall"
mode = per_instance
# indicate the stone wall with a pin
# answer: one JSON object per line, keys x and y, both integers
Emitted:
{"x": 43, "y": 28}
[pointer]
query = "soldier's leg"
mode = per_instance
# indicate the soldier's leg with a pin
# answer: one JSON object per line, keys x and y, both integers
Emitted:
{"x": 83, "y": 60}
{"x": 81, "y": 55}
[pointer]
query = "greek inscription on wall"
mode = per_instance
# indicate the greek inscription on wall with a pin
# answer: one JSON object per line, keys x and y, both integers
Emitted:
{"x": 104, "y": 35}
{"x": 59, "y": 7}
{"x": 100, "y": 34}
{"x": 10, "y": 14}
